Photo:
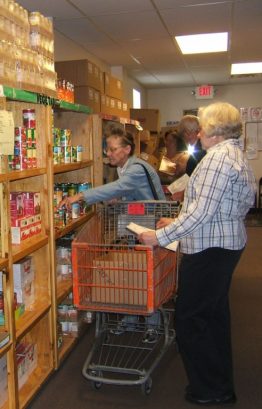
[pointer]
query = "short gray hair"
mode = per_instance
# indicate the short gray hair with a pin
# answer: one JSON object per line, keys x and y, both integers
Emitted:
{"x": 221, "y": 118}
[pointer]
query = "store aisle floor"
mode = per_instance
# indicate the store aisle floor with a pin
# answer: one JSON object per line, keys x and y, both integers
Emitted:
{"x": 68, "y": 389}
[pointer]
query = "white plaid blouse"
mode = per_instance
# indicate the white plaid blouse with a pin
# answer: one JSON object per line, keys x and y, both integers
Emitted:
{"x": 219, "y": 194}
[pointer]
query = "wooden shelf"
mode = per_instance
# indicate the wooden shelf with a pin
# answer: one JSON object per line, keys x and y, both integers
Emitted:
{"x": 38, "y": 325}
{"x": 73, "y": 225}
{"x": 69, "y": 106}
{"x": 23, "y": 174}
{"x": 64, "y": 288}
{"x": 28, "y": 246}
{"x": 33, "y": 384}
{"x": 32, "y": 317}
{"x": 68, "y": 167}
{"x": 3, "y": 263}
{"x": 4, "y": 350}
{"x": 68, "y": 344}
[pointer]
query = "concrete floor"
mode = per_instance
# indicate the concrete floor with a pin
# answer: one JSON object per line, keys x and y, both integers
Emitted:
{"x": 68, "y": 389}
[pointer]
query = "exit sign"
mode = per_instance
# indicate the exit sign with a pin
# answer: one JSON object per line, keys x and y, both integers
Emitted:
{"x": 204, "y": 92}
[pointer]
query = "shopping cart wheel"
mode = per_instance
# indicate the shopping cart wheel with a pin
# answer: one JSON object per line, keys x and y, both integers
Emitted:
{"x": 96, "y": 385}
{"x": 147, "y": 386}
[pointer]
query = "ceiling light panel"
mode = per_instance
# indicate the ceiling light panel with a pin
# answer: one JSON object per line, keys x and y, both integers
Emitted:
{"x": 203, "y": 43}
{"x": 246, "y": 68}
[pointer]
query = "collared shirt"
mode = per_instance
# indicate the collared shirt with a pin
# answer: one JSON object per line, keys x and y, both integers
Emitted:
{"x": 121, "y": 171}
{"x": 218, "y": 195}
{"x": 132, "y": 185}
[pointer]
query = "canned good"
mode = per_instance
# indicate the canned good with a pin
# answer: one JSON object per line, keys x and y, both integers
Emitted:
{"x": 66, "y": 154}
{"x": 64, "y": 187}
{"x": 56, "y": 136}
{"x": 73, "y": 154}
{"x": 20, "y": 134}
{"x": 58, "y": 195}
{"x": 65, "y": 137}
{"x": 72, "y": 189}
{"x": 83, "y": 186}
{"x": 11, "y": 162}
{"x": 56, "y": 155}
{"x": 75, "y": 210}
{"x": 60, "y": 218}
{"x": 29, "y": 118}
{"x": 79, "y": 153}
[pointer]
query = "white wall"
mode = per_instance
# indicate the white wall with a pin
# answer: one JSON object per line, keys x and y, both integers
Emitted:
{"x": 171, "y": 103}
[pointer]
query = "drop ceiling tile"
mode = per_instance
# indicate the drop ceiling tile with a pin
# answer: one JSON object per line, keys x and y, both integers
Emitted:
{"x": 195, "y": 20}
{"x": 108, "y": 7}
{"x": 82, "y": 31}
{"x": 51, "y": 8}
{"x": 144, "y": 25}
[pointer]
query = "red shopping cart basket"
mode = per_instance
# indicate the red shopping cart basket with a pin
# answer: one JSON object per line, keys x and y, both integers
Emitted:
{"x": 112, "y": 272}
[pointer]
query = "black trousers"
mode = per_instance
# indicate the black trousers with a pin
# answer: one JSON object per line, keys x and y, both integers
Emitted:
{"x": 202, "y": 320}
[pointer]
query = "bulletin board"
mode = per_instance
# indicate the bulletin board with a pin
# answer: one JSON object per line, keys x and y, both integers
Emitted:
{"x": 253, "y": 138}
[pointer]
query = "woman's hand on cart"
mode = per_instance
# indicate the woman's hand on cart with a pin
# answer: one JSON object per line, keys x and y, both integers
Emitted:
{"x": 163, "y": 222}
{"x": 148, "y": 237}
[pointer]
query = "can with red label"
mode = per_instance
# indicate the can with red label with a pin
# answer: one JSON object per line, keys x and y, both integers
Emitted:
{"x": 29, "y": 118}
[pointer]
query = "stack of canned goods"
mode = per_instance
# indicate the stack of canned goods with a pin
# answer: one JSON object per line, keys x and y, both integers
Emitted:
{"x": 24, "y": 156}
{"x": 63, "y": 151}
{"x": 62, "y": 190}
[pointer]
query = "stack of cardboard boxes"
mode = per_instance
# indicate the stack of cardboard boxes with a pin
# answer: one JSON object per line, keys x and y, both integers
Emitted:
{"x": 99, "y": 90}
{"x": 149, "y": 140}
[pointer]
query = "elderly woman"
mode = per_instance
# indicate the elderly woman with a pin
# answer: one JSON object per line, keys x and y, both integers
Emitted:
{"x": 137, "y": 181}
{"x": 212, "y": 234}
{"x": 136, "y": 178}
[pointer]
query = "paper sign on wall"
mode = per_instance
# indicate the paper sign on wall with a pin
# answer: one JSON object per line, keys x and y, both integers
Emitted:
{"x": 6, "y": 133}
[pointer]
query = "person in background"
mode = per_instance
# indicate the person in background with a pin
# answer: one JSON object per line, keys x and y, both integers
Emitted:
{"x": 189, "y": 128}
{"x": 132, "y": 185}
{"x": 176, "y": 152}
{"x": 212, "y": 236}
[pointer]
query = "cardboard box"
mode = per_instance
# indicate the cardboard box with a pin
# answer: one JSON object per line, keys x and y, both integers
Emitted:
{"x": 26, "y": 294}
{"x": 148, "y": 118}
{"x": 87, "y": 95}
{"x": 80, "y": 73}
{"x": 122, "y": 280}
{"x": 125, "y": 110}
{"x": 16, "y": 205}
{"x": 23, "y": 272}
{"x": 151, "y": 159}
{"x": 113, "y": 86}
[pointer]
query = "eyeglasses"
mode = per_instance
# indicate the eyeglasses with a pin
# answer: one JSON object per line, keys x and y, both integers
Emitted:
{"x": 111, "y": 150}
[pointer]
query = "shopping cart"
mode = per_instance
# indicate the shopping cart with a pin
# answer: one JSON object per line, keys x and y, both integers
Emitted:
{"x": 125, "y": 282}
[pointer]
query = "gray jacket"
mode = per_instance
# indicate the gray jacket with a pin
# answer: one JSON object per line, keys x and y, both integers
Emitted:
{"x": 131, "y": 186}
